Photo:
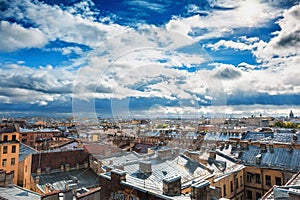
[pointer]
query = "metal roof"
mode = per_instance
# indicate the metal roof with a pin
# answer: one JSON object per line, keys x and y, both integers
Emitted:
{"x": 76, "y": 178}
{"x": 16, "y": 192}
{"x": 281, "y": 158}
{"x": 25, "y": 151}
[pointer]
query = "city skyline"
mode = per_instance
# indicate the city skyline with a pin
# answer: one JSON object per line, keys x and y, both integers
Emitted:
{"x": 150, "y": 58}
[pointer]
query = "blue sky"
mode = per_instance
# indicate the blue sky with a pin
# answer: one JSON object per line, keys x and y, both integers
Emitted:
{"x": 142, "y": 58}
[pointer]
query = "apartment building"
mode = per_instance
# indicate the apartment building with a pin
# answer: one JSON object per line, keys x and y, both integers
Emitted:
{"x": 9, "y": 147}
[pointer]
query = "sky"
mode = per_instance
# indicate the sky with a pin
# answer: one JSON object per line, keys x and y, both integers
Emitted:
{"x": 150, "y": 58}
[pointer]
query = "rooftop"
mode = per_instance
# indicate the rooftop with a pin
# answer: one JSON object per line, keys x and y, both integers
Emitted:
{"x": 16, "y": 192}
{"x": 25, "y": 151}
{"x": 72, "y": 179}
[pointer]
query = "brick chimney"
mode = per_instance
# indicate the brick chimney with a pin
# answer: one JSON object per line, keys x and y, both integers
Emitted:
{"x": 117, "y": 176}
{"x": 172, "y": 186}
{"x": 164, "y": 154}
{"x": 145, "y": 167}
{"x": 37, "y": 179}
{"x": 200, "y": 190}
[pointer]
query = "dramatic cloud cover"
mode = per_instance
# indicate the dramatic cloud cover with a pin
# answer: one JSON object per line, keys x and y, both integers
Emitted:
{"x": 150, "y": 58}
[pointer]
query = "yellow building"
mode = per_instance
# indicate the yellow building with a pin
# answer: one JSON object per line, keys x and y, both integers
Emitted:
{"x": 9, "y": 147}
{"x": 259, "y": 180}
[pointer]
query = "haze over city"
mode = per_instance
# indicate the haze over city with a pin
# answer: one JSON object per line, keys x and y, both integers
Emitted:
{"x": 149, "y": 58}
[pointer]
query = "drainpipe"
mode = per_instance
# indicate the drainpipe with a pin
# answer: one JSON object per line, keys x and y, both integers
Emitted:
{"x": 262, "y": 181}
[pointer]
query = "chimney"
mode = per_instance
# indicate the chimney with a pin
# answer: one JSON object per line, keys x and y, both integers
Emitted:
{"x": 172, "y": 186}
{"x": 212, "y": 154}
{"x": 109, "y": 168}
{"x": 164, "y": 154}
{"x": 39, "y": 171}
{"x": 117, "y": 176}
{"x": 145, "y": 167}
{"x": 86, "y": 164}
{"x": 200, "y": 190}
{"x": 244, "y": 145}
{"x": 37, "y": 179}
{"x": 67, "y": 167}
{"x": 176, "y": 151}
{"x": 295, "y": 137}
{"x": 263, "y": 147}
{"x": 271, "y": 148}
{"x": 77, "y": 165}
{"x": 48, "y": 169}
{"x": 111, "y": 162}
{"x": 62, "y": 167}
{"x": 289, "y": 148}
{"x": 258, "y": 159}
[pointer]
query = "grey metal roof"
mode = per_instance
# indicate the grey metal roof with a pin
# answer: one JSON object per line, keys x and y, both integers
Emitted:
{"x": 25, "y": 151}
{"x": 282, "y": 158}
{"x": 179, "y": 166}
{"x": 220, "y": 136}
{"x": 76, "y": 178}
{"x": 18, "y": 193}
{"x": 285, "y": 137}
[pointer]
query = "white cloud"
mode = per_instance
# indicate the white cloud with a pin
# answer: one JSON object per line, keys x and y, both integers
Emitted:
{"x": 13, "y": 37}
{"x": 222, "y": 22}
{"x": 21, "y": 84}
{"x": 66, "y": 25}
{"x": 285, "y": 43}
{"x": 243, "y": 44}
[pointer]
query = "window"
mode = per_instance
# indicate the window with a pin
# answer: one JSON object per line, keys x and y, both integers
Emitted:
{"x": 24, "y": 140}
{"x": 236, "y": 183}
{"x": 24, "y": 134}
{"x": 31, "y": 137}
{"x": 13, "y": 161}
{"x": 257, "y": 178}
{"x": 13, "y": 149}
{"x": 258, "y": 195}
{"x": 5, "y": 149}
{"x": 268, "y": 180}
{"x": 4, "y": 162}
{"x": 241, "y": 180}
{"x": 277, "y": 180}
{"x": 249, "y": 194}
{"x": 249, "y": 177}
{"x": 25, "y": 168}
{"x": 5, "y": 139}
{"x": 231, "y": 186}
{"x": 14, "y": 138}
{"x": 224, "y": 190}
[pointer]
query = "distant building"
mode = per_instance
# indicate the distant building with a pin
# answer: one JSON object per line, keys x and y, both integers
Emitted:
{"x": 38, "y": 138}
{"x": 291, "y": 115}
